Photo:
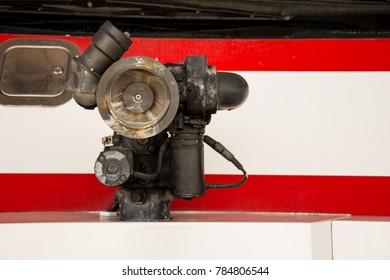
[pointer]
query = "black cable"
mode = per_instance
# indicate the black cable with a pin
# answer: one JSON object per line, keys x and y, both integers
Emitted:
{"x": 151, "y": 176}
{"x": 219, "y": 148}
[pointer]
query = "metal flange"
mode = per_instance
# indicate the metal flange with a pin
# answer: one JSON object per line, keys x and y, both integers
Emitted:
{"x": 137, "y": 97}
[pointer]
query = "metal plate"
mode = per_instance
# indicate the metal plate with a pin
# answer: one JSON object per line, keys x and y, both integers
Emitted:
{"x": 34, "y": 72}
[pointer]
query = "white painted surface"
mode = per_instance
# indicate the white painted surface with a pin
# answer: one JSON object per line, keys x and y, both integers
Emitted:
{"x": 310, "y": 123}
{"x": 63, "y": 139}
{"x": 262, "y": 236}
{"x": 196, "y": 235}
{"x": 362, "y": 238}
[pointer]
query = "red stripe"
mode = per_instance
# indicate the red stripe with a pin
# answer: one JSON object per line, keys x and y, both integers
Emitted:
{"x": 317, "y": 194}
{"x": 52, "y": 192}
{"x": 261, "y": 54}
{"x": 308, "y": 194}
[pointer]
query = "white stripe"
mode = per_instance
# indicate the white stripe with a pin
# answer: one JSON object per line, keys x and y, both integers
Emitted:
{"x": 310, "y": 123}
{"x": 63, "y": 139}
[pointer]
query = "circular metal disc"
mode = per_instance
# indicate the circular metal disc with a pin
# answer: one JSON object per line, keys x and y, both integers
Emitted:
{"x": 137, "y": 97}
{"x": 112, "y": 168}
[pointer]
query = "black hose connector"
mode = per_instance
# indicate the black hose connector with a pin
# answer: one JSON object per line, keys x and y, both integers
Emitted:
{"x": 108, "y": 45}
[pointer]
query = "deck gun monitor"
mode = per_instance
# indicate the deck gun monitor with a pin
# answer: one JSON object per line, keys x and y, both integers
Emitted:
{"x": 158, "y": 114}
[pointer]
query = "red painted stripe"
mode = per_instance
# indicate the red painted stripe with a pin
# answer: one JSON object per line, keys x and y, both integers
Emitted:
{"x": 308, "y": 194}
{"x": 52, "y": 192}
{"x": 319, "y": 194}
{"x": 260, "y": 54}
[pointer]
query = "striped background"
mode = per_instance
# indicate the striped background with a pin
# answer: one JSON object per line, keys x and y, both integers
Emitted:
{"x": 314, "y": 134}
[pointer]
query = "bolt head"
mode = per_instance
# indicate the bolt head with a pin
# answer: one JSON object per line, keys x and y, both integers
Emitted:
{"x": 57, "y": 71}
{"x": 152, "y": 148}
{"x": 123, "y": 178}
{"x": 138, "y": 97}
{"x": 112, "y": 169}
{"x": 138, "y": 196}
{"x": 179, "y": 77}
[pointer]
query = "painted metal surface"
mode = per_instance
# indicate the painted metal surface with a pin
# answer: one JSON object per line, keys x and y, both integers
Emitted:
{"x": 361, "y": 238}
{"x": 190, "y": 235}
{"x": 194, "y": 235}
{"x": 314, "y": 134}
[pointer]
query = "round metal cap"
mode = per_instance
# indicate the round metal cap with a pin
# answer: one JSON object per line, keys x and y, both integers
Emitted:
{"x": 137, "y": 97}
{"x": 112, "y": 168}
